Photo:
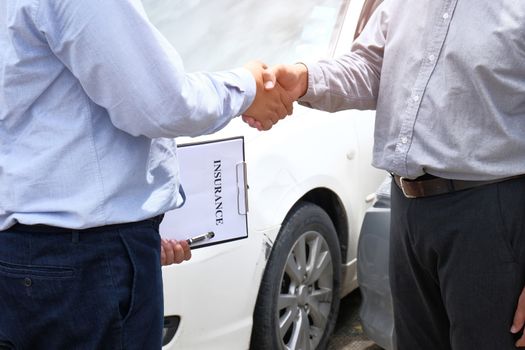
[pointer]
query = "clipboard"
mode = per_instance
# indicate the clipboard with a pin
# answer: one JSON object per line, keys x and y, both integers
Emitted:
{"x": 213, "y": 177}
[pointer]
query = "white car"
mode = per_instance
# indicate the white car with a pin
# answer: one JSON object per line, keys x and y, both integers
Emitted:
{"x": 308, "y": 178}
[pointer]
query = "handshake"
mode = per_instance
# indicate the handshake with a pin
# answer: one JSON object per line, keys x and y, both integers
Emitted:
{"x": 277, "y": 88}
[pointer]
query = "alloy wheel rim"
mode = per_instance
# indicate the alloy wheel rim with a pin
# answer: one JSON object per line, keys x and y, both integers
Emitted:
{"x": 306, "y": 293}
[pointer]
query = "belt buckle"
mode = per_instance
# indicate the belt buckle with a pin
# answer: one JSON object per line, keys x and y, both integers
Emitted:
{"x": 401, "y": 180}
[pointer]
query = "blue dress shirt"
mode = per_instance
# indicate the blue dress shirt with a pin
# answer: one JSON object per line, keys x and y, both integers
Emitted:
{"x": 91, "y": 97}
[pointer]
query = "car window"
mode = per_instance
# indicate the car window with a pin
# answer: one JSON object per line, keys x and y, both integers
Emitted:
{"x": 221, "y": 34}
{"x": 368, "y": 8}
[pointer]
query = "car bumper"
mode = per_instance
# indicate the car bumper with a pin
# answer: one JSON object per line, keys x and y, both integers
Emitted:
{"x": 215, "y": 306}
{"x": 373, "y": 250}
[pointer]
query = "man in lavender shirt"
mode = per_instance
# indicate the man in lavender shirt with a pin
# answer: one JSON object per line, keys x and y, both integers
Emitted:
{"x": 447, "y": 79}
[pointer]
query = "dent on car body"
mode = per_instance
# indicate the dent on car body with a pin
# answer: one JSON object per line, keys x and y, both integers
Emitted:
{"x": 267, "y": 246}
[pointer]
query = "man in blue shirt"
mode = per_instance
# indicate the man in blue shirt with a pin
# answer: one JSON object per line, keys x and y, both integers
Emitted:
{"x": 91, "y": 97}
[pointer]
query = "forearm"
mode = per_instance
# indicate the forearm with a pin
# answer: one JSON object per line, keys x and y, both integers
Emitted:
{"x": 192, "y": 105}
{"x": 348, "y": 82}
{"x": 136, "y": 74}
{"x": 351, "y": 81}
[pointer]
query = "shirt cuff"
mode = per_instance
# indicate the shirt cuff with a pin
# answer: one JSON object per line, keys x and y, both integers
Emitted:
{"x": 246, "y": 84}
{"x": 315, "y": 77}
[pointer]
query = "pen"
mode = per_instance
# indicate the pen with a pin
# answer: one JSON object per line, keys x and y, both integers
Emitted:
{"x": 199, "y": 238}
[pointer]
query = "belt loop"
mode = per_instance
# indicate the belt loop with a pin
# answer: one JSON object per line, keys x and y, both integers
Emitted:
{"x": 74, "y": 236}
{"x": 402, "y": 183}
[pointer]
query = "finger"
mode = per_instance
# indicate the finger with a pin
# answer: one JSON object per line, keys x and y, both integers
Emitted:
{"x": 521, "y": 342}
{"x": 248, "y": 120}
{"x": 287, "y": 101}
{"x": 266, "y": 124}
{"x": 280, "y": 109}
{"x": 283, "y": 75}
{"x": 279, "y": 71}
{"x": 187, "y": 250}
{"x": 274, "y": 109}
{"x": 251, "y": 121}
{"x": 280, "y": 115}
{"x": 170, "y": 256}
{"x": 274, "y": 114}
{"x": 269, "y": 79}
{"x": 178, "y": 252}
{"x": 256, "y": 124}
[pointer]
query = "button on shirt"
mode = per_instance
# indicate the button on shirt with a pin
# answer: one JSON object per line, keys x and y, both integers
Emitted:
{"x": 447, "y": 78}
{"x": 91, "y": 96}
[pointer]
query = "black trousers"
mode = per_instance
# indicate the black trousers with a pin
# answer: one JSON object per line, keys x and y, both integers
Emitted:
{"x": 457, "y": 267}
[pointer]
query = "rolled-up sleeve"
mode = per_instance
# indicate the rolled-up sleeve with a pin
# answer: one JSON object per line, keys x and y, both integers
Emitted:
{"x": 126, "y": 66}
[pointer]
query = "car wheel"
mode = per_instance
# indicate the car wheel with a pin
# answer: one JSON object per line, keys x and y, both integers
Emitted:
{"x": 299, "y": 295}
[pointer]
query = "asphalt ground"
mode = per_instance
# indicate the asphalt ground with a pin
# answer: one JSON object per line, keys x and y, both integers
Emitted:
{"x": 348, "y": 333}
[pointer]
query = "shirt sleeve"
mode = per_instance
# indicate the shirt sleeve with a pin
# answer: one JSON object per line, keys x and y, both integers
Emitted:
{"x": 125, "y": 65}
{"x": 352, "y": 80}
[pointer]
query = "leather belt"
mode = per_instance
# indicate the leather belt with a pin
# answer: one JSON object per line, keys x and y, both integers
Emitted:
{"x": 428, "y": 185}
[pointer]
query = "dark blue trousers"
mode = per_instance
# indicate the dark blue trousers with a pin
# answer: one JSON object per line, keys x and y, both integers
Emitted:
{"x": 98, "y": 288}
{"x": 458, "y": 267}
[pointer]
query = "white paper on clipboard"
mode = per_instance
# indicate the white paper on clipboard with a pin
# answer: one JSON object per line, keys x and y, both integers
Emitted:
{"x": 213, "y": 176}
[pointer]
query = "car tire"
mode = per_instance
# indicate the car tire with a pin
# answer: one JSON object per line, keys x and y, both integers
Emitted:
{"x": 298, "y": 298}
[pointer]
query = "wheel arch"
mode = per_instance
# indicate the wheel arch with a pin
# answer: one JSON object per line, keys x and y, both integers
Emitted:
{"x": 333, "y": 206}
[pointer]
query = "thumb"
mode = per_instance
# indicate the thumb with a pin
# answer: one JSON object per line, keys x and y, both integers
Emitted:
{"x": 269, "y": 79}
{"x": 283, "y": 74}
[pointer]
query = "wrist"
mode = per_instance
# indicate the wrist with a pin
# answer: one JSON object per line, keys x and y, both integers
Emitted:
{"x": 302, "y": 76}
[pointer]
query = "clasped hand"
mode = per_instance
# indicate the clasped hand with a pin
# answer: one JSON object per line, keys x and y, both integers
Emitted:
{"x": 277, "y": 88}
{"x": 174, "y": 252}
